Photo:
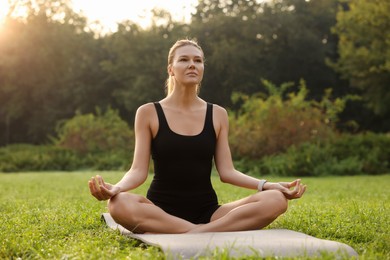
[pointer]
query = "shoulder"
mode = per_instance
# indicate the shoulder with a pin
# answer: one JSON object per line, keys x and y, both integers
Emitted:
{"x": 146, "y": 109}
{"x": 145, "y": 114}
{"x": 146, "y": 117}
{"x": 220, "y": 112}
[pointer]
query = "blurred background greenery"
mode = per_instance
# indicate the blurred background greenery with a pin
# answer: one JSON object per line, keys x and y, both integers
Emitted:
{"x": 305, "y": 83}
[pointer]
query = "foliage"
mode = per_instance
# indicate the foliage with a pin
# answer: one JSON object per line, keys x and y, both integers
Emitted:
{"x": 138, "y": 59}
{"x": 47, "y": 70}
{"x": 27, "y": 157}
{"x": 101, "y": 141}
{"x": 53, "y": 216}
{"x": 364, "y": 50}
{"x": 136, "y": 65}
{"x": 53, "y": 64}
{"x": 281, "y": 41}
{"x": 344, "y": 154}
{"x": 266, "y": 125}
{"x": 103, "y": 132}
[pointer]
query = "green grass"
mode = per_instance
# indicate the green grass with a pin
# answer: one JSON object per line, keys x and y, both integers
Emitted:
{"x": 53, "y": 216}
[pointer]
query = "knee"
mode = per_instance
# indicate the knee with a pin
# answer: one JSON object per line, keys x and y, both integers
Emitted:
{"x": 278, "y": 201}
{"x": 114, "y": 204}
{"x": 119, "y": 206}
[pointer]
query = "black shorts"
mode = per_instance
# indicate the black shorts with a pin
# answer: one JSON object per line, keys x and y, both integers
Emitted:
{"x": 204, "y": 216}
{"x": 196, "y": 207}
{"x": 195, "y": 216}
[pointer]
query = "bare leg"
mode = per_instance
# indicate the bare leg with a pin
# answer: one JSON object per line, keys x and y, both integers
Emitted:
{"x": 254, "y": 212}
{"x": 138, "y": 214}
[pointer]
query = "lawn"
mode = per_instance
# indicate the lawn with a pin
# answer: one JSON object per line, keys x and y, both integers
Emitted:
{"x": 53, "y": 216}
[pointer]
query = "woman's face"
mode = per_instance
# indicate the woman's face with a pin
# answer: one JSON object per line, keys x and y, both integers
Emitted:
{"x": 187, "y": 66}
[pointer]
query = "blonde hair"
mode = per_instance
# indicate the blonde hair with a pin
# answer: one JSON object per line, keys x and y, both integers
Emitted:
{"x": 169, "y": 83}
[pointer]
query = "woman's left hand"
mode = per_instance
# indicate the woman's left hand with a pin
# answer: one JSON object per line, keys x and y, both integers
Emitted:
{"x": 285, "y": 188}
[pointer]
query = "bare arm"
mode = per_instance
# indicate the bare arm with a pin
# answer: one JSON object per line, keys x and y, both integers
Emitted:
{"x": 139, "y": 168}
{"x": 227, "y": 172}
{"x": 223, "y": 158}
{"x": 138, "y": 172}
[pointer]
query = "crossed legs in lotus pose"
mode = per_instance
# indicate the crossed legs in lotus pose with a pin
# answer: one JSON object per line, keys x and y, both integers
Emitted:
{"x": 138, "y": 214}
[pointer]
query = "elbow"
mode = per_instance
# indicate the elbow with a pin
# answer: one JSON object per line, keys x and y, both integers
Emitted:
{"x": 225, "y": 177}
{"x": 142, "y": 178}
{"x": 226, "y": 171}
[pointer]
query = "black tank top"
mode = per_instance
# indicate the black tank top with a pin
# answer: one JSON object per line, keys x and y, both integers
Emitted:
{"x": 181, "y": 184}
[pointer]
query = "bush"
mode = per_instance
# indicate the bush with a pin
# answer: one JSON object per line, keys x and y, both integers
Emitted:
{"x": 26, "y": 157}
{"x": 345, "y": 154}
{"x": 99, "y": 142}
{"x": 268, "y": 125}
{"x": 373, "y": 150}
{"x": 108, "y": 161}
{"x": 95, "y": 133}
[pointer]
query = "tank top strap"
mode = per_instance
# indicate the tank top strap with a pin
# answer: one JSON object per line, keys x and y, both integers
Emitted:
{"x": 209, "y": 116}
{"x": 162, "y": 121}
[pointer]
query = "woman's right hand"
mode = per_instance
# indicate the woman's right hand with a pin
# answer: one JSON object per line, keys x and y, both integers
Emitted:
{"x": 102, "y": 190}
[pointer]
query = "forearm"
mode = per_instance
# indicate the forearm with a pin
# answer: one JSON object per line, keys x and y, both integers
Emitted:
{"x": 131, "y": 180}
{"x": 240, "y": 179}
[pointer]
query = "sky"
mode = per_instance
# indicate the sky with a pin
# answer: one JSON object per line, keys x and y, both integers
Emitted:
{"x": 110, "y": 12}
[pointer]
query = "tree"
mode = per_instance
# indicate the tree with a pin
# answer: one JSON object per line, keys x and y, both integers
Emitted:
{"x": 48, "y": 70}
{"x": 281, "y": 41}
{"x": 364, "y": 48}
{"x": 137, "y": 60}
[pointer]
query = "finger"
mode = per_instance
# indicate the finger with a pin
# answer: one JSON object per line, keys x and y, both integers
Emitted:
{"x": 98, "y": 182}
{"x": 92, "y": 185}
{"x": 295, "y": 182}
{"x": 288, "y": 184}
{"x": 295, "y": 192}
{"x": 285, "y": 184}
{"x": 97, "y": 191}
{"x": 93, "y": 189}
{"x": 108, "y": 193}
{"x": 291, "y": 193}
{"x": 302, "y": 190}
{"x": 99, "y": 179}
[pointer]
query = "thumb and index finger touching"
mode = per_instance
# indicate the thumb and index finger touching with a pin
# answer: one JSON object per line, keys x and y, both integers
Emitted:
{"x": 298, "y": 188}
{"x": 98, "y": 188}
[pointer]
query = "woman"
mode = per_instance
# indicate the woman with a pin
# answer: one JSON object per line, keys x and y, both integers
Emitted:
{"x": 183, "y": 134}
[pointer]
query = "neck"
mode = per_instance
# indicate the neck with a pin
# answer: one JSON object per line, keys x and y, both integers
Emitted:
{"x": 184, "y": 97}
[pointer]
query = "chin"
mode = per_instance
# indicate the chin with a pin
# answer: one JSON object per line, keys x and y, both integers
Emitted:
{"x": 191, "y": 83}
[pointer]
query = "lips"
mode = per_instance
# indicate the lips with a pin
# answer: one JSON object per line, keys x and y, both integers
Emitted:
{"x": 192, "y": 74}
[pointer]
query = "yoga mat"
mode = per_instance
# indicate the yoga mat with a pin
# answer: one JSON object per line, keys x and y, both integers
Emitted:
{"x": 261, "y": 243}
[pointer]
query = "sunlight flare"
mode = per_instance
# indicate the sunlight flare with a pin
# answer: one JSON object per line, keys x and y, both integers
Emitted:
{"x": 3, "y": 11}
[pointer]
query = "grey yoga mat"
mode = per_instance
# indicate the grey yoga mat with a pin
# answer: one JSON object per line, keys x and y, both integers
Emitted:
{"x": 261, "y": 243}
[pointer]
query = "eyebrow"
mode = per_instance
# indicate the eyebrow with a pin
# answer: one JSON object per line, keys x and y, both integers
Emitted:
{"x": 186, "y": 56}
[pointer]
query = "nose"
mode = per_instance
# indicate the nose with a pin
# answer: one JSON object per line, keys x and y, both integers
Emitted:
{"x": 191, "y": 65}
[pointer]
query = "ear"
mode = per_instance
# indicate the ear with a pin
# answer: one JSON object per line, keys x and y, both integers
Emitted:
{"x": 170, "y": 71}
